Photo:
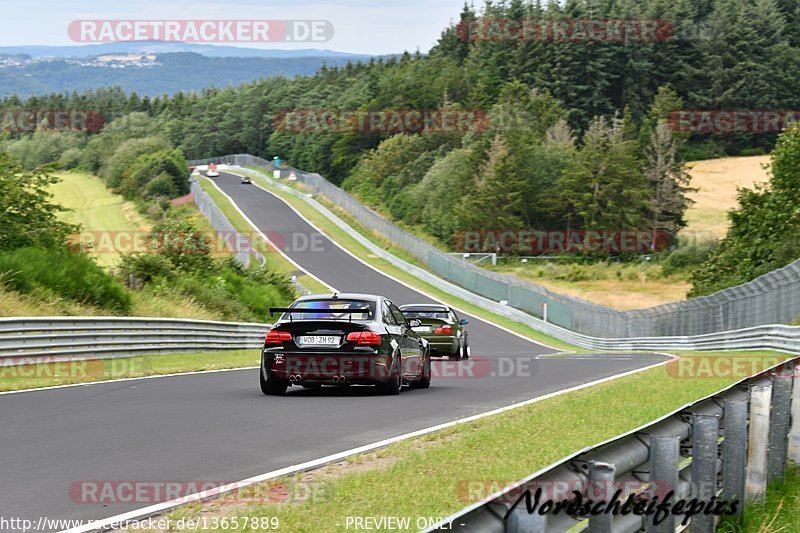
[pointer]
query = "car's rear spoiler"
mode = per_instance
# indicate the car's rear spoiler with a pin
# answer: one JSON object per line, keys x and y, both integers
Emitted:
{"x": 292, "y": 310}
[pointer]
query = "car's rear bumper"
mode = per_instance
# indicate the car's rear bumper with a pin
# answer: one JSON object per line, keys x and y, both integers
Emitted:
{"x": 439, "y": 344}
{"x": 336, "y": 369}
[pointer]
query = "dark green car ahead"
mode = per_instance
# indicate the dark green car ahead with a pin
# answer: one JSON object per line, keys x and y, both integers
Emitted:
{"x": 441, "y": 327}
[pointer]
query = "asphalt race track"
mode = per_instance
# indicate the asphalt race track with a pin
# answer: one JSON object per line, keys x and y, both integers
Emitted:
{"x": 219, "y": 427}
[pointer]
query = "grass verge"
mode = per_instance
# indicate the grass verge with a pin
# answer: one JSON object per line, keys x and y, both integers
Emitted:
{"x": 428, "y": 476}
{"x": 38, "y": 375}
{"x": 779, "y": 512}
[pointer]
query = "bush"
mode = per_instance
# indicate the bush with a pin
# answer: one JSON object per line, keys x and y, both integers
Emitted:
{"x": 63, "y": 273}
{"x": 232, "y": 293}
{"x": 145, "y": 267}
{"x": 707, "y": 149}
{"x": 119, "y": 164}
{"x": 28, "y": 217}
{"x": 162, "y": 186}
{"x": 687, "y": 257}
{"x": 70, "y": 158}
{"x": 179, "y": 241}
{"x": 752, "y": 151}
{"x": 148, "y": 167}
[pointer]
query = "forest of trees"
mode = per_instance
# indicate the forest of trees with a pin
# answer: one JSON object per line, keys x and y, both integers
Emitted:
{"x": 592, "y": 147}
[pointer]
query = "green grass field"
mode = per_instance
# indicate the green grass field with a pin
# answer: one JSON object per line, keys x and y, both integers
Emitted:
{"x": 96, "y": 208}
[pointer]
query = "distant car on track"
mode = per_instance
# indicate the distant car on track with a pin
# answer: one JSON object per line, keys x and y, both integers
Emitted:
{"x": 212, "y": 171}
{"x": 245, "y": 180}
{"x": 441, "y": 327}
{"x": 341, "y": 340}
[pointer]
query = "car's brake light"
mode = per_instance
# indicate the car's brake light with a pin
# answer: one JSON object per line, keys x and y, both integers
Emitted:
{"x": 276, "y": 336}
{"x": 444, "y": 330}
{"x": 369, "y": 338}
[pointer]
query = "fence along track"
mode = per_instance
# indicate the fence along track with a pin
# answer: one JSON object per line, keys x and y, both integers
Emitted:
{"x": 773, "y": 298}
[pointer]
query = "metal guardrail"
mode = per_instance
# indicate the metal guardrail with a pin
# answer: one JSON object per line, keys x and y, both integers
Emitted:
{"x": 727, "y": 446}
{"x": 773, "y": 298}
{"x": 29, "y": 339}
{"x": 775, "y": 337}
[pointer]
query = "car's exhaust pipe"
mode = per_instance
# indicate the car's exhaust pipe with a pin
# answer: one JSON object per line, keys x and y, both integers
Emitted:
{"x": 295, "y": 379}
{"x": 336, "y": 379}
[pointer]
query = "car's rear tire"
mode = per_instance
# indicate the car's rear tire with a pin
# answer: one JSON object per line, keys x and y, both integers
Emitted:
{"x": 458, "y": 355}
{"x": 395, "y": 382}
{"x": 425, "y": 381}
{"x": 272, "y": 387}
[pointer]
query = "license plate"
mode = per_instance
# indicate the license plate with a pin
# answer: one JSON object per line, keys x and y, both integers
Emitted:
{"x": 422, "y": 329}
{"x": 319, "y": 340}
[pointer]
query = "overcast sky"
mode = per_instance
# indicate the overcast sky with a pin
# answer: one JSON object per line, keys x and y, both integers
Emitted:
{"x": 361, "y": 26}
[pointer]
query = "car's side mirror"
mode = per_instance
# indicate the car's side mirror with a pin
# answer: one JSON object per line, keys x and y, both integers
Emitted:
{"x": 463, "y": 322}
{"x": 415, "y": 322}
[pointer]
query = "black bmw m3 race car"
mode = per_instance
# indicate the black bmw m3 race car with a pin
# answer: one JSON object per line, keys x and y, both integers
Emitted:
{"x": 342, "y": 340}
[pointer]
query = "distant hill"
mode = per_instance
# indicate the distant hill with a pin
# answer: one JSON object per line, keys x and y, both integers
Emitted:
{"x": 169, "y": 73}
{"x": 162, "y": 47}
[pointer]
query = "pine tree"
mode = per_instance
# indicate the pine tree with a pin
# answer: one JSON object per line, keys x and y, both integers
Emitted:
{"x": 669, "y": 179}
{"x": 496, "y": 200}
{"x": 606, "y": 188}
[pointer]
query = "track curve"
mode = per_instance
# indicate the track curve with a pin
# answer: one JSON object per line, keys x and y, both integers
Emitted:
{"x": 218, "y": 426}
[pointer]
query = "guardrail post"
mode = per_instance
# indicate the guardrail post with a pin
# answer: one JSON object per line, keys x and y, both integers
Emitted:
{"x": 755, "y": 485}
{"x": 705, "y": 434}
{"x": 601, "y": 485}
{"x": 734, "y": 451}
{"x": 520, "y": 521}
{"x": 664, "y": 462}
{"x": 794, "y": 432}
{"x": 779, "y": 423}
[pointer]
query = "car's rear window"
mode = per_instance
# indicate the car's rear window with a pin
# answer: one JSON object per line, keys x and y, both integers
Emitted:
{"x": 333, "y": 309}
{"x": 426, "y": 312}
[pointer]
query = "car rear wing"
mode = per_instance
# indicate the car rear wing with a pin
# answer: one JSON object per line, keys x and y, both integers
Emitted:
{"x": 303, "y": 311}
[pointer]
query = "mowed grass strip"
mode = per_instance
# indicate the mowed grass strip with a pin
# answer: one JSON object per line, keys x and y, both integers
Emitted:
{"x": 440, "y": 473}
{"x": 51, "y": 374}
{"x": 96, "y": 209}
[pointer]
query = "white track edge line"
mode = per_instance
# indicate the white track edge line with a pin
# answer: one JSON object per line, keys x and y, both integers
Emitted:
{"x": 263, "y": 236}
{"x": 145, "y": 512}
{"x": 122, "y": 380}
